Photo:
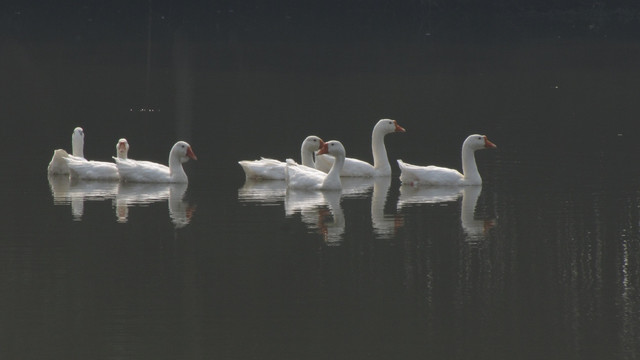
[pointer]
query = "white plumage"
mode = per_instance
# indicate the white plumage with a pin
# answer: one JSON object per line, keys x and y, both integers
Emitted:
{"x": 271, "y": 169}
{"x": 358, "y": 168}
{"x": 58, "y": 165}
{"x": 80, "y": 168}
{"x": 150, "y": 172}
{"x": 435, "y": 175}
{"x": 304, "y": 177}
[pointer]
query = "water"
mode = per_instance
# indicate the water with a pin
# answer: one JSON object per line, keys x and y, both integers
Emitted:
{"x": 541, "y": 261}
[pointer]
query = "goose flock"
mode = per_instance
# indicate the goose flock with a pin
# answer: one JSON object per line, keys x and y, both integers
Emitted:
{"x": 323, "y": 164}
{"x": 123, "y": 169}
{"x": 331, "y": 163}
{"x": 326, "y": 167}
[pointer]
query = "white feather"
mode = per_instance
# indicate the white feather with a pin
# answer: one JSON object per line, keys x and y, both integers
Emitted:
{"x": 271, "y": 169}
{"x": 150, "y": 172}
{"x": 358, "y": 168}
{"x": 435, "y": 175}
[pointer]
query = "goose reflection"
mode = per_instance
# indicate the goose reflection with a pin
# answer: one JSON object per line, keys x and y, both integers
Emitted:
{"x": 140, "y": 194}
{"x": 272, "y": 192}
{"x": 384, "y": 226}
{"x": 427, "y": 195}
{"x": 264, "y": 192}
{"x": 473, "y": 229}
{"x": 319, "y": 210}
{"x": 75, "y": 192}
{"x": 357, "y": 186}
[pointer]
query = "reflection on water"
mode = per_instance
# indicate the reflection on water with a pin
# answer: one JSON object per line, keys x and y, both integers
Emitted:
{"x": 322, "y": 210}
{"x": 474, "y": 229}
{"x": 132, "y": 194}
{"x": 272, "y": 192}
{"x": 264, "y": 192}
{"x": 385, "y": 226}
{"x": 319, "y": 210}
{"x": 73, "y": 192}
{"x": 412, "y": 195}
{"x": 357, "y": 187}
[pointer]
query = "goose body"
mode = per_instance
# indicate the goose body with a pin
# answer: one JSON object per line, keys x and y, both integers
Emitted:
{"x": 80, "y": 168}
{"x": 150, "y": 172}
{"x": 271, "y": 169}
{"x": 434, "y": 175}
{"x": 58, "y": 165}
{"x": 358, "y": 168}
{"x": 303, "y": 177}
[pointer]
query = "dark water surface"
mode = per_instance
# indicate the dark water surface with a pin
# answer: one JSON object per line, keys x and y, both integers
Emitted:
{"x": 540, "y": 262}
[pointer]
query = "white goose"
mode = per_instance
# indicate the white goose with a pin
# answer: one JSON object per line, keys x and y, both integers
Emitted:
{"x": 304, "y": 177}
{"x": 150, "y": 172}
{"x": 359, "y": 168}
{"x": 270, "y": 169}
{"x": 58, "y": 166}
{"x": 434, "y": 175}
{"x": 79, "y": 168}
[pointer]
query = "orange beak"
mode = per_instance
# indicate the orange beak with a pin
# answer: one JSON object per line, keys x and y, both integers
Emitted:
{"x": 122, "y": 146}
{"x": 488, "y": 144}
{"x": 398, "y": 127}
{"x": 324, "y": 149}
{"x": 321, "y": 144}
{"x": 191, "y": 154}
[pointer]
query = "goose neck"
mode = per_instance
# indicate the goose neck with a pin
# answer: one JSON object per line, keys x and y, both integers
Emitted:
{"x": 175, "y": 166}
{"x": 338, "y": 164}
{"x": 380, "y": 159}
{"x": 332, "y": 181}
{"x": 77, "y": 146}
{"x": 306, "y": 157}
{"x": 469, "y": 166}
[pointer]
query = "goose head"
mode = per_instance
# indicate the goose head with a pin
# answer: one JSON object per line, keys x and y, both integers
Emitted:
{"x": 333, "y": 147}
{"x": 77, "y": 142}
{"x": 478, "y": 142}
{"x": 78, "y": 133}
{"x": 122, "y": 148}
{"x": 182, "y": 151}
{"x": 312, "y": 143}
{"x": 387, "y": 126}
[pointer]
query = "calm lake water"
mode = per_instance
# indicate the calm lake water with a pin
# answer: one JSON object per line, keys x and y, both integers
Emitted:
{"x": 540, "y": 262}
